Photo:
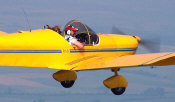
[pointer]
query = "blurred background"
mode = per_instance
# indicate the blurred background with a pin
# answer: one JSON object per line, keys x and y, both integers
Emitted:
{"x": 144, "y": 18}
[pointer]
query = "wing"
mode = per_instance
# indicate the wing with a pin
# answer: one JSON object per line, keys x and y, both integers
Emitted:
{"x": 152, "y": 59}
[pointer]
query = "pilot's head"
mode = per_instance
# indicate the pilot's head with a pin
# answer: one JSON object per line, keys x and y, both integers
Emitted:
{"x": 70, "y": 30}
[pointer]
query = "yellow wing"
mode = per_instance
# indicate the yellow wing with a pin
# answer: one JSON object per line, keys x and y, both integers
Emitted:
{"x": 152, "y": 59}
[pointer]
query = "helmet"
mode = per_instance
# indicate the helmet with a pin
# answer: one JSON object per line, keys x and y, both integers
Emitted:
{"x": 69, "y": 27}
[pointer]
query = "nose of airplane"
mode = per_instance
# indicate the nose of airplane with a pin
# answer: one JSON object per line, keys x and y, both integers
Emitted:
{"x": 138, "y": 38}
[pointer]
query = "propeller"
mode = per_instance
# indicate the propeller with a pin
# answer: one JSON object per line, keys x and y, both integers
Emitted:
{"x": 115, "y": 30}
{"x": 150, "y": 43}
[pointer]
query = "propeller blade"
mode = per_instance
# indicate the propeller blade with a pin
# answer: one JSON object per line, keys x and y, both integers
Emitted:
{"x": 115, "y": 30}
{"x": 152, "y": 44}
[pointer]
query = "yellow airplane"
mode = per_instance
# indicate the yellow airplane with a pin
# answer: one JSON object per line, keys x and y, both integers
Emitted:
{"x": 45, "y": 48}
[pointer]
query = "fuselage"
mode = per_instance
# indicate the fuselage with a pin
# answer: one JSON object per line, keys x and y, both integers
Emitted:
{"x": 46, "y": 48}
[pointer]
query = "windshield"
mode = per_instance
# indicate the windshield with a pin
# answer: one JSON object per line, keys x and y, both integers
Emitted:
{"x": 84, "y": 33}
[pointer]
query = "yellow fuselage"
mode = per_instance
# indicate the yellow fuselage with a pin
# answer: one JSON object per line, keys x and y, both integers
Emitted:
{"x": 46, "y": 48}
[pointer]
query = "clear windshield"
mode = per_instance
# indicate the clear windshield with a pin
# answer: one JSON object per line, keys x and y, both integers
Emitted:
{"x": 84, "y": 33}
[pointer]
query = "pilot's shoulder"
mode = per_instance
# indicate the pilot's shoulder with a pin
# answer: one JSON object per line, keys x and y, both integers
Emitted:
{"x": 66, "y": 36}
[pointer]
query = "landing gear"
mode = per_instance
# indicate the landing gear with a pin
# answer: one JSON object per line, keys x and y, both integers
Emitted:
{"x": 116, "y": 83}
{"x": 65, "y": 77}
{"x": 118, "y": 91}
{"x": 67, "y": 84}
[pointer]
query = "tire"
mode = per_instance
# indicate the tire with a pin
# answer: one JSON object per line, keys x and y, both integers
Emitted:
{"x": 67, "y": 84}
{"x": 118, "y": 91}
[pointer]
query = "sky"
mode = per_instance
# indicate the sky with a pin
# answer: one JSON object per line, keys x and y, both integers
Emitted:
{"x": 144, "y": 18}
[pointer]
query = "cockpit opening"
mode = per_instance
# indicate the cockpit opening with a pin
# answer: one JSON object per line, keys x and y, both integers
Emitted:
{"x": 84, "y": 33}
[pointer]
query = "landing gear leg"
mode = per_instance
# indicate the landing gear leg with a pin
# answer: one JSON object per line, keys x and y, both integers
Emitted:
{"x": 115, "y": 70}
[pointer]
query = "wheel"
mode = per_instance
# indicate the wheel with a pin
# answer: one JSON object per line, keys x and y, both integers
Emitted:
{"x": 67, "y": 84}
{"x": 118, "y": 91}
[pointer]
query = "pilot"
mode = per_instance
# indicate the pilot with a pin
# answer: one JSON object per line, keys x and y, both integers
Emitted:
{"x": 70, "y": 36}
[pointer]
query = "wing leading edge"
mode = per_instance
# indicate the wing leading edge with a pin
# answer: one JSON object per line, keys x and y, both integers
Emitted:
{"x": 152, "y": 59}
